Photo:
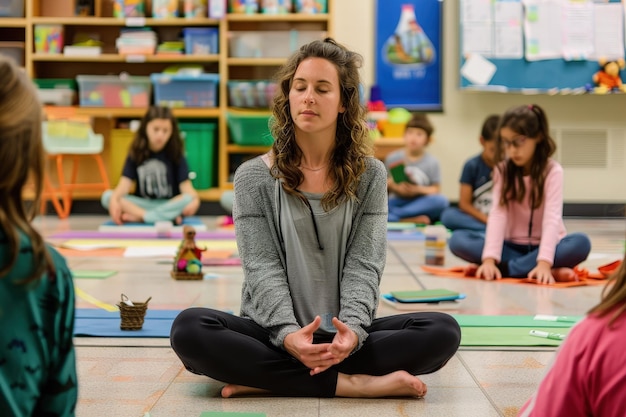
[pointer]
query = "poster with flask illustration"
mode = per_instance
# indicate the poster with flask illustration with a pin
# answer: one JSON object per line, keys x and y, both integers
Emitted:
{"x": 408, "y": 53}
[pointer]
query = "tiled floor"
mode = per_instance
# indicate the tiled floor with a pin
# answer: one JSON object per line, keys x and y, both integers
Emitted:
{"x": 137, "y": 377}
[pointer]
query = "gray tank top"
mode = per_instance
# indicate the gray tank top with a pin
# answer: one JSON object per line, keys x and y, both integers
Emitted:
{"x": 314, "y": 274}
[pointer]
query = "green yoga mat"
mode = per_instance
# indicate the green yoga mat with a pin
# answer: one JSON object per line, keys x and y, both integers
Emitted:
{"x": 89, "y": 274}
{"x": 507, "y": 336}
{"x": 469, "y": 320}
{"x": 512, "y": 330}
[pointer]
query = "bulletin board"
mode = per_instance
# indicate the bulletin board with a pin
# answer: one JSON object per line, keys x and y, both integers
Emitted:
{"x": 409, "y": 53}
{"x": 507, "y": 69}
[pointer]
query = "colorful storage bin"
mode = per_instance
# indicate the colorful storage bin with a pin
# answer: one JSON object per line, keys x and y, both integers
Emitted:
{"x": 243, "y": 6}
{"x": 163, "y": 9}
{"x": 269, "y": 43}
{"x": 114, "y": 91}
{"x": 311, "y": 6}
{"x": 249, "y": 129}
{"x": 49, "y": 39}
{"x": 129, "y": 8}
{"x": 201, "y": 41}
{"x": 195, "y": 8}
{"x": 185, "y": 90}
{"x": 251, "y": 93}
{"x": 276, "y": 6}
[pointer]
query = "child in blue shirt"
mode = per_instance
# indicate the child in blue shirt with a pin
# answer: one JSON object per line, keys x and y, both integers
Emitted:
{"x": 416, "y": 198}
{"x": 476, "y": 184}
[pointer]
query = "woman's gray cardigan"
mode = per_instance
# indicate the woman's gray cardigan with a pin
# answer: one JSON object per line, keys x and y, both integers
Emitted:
{"x": 265, "y": 293}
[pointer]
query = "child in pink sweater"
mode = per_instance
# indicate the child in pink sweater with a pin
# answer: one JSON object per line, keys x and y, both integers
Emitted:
{"x": 588, "y": 375}
{"x": 525, "y": 234}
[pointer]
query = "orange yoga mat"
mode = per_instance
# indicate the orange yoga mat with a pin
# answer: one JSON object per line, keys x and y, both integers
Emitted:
{"x": 584, "y": 276}
{"x": 104, "y": 252}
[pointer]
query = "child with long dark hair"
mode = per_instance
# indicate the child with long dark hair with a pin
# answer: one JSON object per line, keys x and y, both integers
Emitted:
{"x": 37, "y": 359}
{"x": 157, "y": 168}
{"x": 525, "y": 234}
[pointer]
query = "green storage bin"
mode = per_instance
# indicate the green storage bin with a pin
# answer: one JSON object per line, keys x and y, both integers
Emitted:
{"x": 249, "y": 129}
{"x": 51, "y": 83}
{"x": 200, "y": 152}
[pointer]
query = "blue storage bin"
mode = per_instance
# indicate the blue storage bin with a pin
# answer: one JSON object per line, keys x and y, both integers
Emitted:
{"x": 201, "y": 41}
{"x": 185, "y": 90}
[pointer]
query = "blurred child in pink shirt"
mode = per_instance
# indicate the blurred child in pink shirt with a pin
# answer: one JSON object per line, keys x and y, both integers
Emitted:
{"x": 525, "y": 234}
{"x": 587, "y": 377}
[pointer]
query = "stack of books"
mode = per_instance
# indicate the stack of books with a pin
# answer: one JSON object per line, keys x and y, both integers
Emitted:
{"x": 435, "y": 299}
{"x": 85, "y": 44}
{"x": 136, "y": 41}
{"x": 171, "y": 48}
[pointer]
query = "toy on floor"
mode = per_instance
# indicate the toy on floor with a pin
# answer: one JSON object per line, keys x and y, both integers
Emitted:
{"x": 188, "y": 261}
{"x": 608, "y": 79}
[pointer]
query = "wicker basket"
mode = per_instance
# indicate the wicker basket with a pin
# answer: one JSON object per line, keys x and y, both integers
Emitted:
{"x": 186, "y": 276}
{"x": 132, "y": 315}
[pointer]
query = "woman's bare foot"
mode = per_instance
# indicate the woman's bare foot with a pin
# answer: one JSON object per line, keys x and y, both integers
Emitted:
{"x": 564, "y": 274}
{"x": 232, "y": 390}
{"x": 131, "y": 218}
{"x": 395, "y": 384}
{"x": 178, "y": 220}
{"x": 422, "y": 219}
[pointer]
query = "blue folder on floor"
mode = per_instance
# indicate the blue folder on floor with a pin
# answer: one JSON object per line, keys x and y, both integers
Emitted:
{"x": 95, "y": 322}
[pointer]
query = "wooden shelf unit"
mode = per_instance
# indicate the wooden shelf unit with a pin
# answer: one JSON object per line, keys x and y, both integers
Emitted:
{"x": 40, "y": 65}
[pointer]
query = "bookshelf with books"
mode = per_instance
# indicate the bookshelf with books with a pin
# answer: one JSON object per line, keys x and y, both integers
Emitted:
{"x": 93, "y": 50}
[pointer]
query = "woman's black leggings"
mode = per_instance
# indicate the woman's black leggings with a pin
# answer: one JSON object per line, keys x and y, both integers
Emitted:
{"x": 236, "y": 350}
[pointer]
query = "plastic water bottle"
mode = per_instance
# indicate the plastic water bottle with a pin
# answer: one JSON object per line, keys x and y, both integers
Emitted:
{"x": 435, "y": 245}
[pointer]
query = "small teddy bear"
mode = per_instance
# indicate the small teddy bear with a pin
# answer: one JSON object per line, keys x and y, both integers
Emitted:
{"x": 608, "y": 78}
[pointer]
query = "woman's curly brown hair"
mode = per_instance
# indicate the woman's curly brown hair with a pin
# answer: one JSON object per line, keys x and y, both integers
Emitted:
{"x": 352, "y": 144}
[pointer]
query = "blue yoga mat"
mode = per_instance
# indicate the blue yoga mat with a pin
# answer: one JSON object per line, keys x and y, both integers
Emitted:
{"x": 95, "y": 322}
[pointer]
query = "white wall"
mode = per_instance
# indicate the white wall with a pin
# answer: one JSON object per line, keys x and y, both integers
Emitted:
{"x": 458, "y": 127}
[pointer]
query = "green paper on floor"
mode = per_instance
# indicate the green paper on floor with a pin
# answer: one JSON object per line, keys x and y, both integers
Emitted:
{"x": 230, "y": 414}
{"x": 507, "y": 336}
{"x": 469, "y": 320}
{"x": 92, "y": 274}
